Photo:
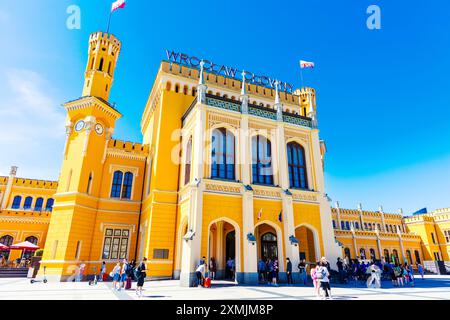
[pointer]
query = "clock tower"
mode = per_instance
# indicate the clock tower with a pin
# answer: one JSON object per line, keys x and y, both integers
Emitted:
{"x": 90, "y": 123}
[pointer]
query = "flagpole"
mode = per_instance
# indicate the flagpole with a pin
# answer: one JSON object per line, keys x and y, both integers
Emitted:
{"x": 301, "y": 76}
{"x": 109, "y": 22}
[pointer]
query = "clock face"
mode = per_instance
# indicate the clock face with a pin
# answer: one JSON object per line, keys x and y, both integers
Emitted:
{"x": 79, "y": 126}
{"x": 99, "y": 129}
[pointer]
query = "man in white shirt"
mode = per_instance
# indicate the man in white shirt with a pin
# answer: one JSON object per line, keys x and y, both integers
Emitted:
{"x": 324, "y": 280}
{"x": 200, "y": 274}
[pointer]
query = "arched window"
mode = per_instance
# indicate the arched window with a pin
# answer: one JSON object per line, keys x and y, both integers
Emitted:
{"x": 362, "y": 253}
{"x": 262, "y": 160}
{"x": 357, "y": 225}
{"x": 269, "y": 237}
{"x": 334, "y": 224}
{"x": 297, "y": 166}
{"x": 39, "y": 204}
{"x": 32, "y": 240}
{"x": 188, "y": 159}
{"x": 27, "y": 203}
{"x": 365, "y": 226}
{"x": 177, "y": 88}
{"x": 347, "y": 225}
{"x": 100, "y": 67}
{"x": 117, "y": 184}
{"x": 6, "y": 240}
{"x": 409, "y": 257}
{"x": 379, "y": 226}
{"x": 395, "y": 256}
{"x": 347, "y": 253}
{"x": 185, "y": 90}
{"x": 386, "y": 255}
{"x": 342, "y": 225}
{"x": 417, "y": 255}
{"x": 127, "y": 185}
{"x": 168, "y": 86}
{"x": 109, "y": 68}
{"x": 372, "y": 254}
{"x": 49, "y": 205}
{"x": 222, "y": 154}
{"x": 16, "y": 202}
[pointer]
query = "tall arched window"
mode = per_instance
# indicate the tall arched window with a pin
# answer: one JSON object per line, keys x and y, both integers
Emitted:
{"x": 32, "y": 240}
{"x": 347, "y": 253}
{"x": 342, "y": 225}
{"x": 372, "y": 254}
{"x": 347, "y": 225}
{"x": 356, "y": 225}
{"x": 386, "y": 255}
{"x": 222, "y": 154}
{"x": 417, "y": 254}
{"x": 27, "y": 203}
{"x": 49, "y": 205}
{"x": 188, "y": 159}
{"x": 409, "y": 256}
{"x": 297, "y": 166}
{"x": 101, "y": 65}
{"x": 395, "y": 256}
{"x": 334, "y": 224}
{"x": 16, "y": 202}
{"x": 7, "y": 240}
{"x": 127, "y": 185}
{"x": 39, "y": 204}
{"x": 362, "y": 253}
{"x": 262, "y": 160}
{"x": 117, "y": 184}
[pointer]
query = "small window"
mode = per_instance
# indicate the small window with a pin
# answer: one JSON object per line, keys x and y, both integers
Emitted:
{"x": 28, "y": 202}
{"x": 160, "y": 253}
{"x": 49, "y": 205}
{"x": 16, "y": 202}
{"x": 100, "y": 67}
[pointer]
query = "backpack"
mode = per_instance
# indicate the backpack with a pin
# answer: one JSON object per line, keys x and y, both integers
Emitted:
{"x": 320, "y": 274}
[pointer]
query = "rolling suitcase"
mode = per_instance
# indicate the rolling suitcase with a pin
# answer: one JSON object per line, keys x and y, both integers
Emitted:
{"x": 128, "y": 284}
{"x": 207, "y": 283}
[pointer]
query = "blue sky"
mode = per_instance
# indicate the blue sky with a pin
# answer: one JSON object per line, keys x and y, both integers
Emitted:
{"x": 383, "y": 95}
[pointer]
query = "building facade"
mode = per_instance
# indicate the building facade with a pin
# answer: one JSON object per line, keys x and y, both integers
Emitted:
{"x": 227, "y": 169}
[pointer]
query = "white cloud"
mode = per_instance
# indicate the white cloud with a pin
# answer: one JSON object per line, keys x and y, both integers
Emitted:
{"x": 31, "y": 126}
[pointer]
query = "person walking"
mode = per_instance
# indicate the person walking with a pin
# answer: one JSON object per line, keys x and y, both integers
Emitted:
{"x": 212, "y": 268}
{"x": 275, "y": 272}
{"x": 261, "y": 270}
{"x": 315, "y": 281}
{"x": 340, "y": 266}
{"x": 302, "y": 271}
{"x": 421, "y": 270}
{"x": 123, "y": 274}
{"x": 289, "y": 271}
{"x": 200, "y": 272}
{"x": 102, "y": 271}
{"x": 141, "y": 275}
{"x": 132, "y": 267}
{"x": 374, "y": 276}
{"x": 115, "y": 274}
{"x": 322, "y": 275}
{"x": 228, "y": 268}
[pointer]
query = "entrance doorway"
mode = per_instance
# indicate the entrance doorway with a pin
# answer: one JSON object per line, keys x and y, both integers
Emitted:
{"x": 307, "y": 246}
{"x": 269, "y": 246}
{"x": 222, "y": 249}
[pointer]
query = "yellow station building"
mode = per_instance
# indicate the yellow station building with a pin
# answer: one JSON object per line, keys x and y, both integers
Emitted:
{"x": 227, "y": 169}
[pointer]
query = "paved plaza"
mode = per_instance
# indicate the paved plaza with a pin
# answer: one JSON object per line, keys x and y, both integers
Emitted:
{"x": 433, "y": 287}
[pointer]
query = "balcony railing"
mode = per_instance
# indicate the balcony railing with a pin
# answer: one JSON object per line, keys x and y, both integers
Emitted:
{"x": 254, "y": 110}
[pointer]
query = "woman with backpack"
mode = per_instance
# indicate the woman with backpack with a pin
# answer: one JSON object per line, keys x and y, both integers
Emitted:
{"x": 322, "y": 275}
{"x": 314, "y": 279}
{"x": 141, "y": 275}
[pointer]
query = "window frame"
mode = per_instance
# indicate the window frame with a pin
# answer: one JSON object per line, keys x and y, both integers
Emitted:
{"x": 296, "y": 164}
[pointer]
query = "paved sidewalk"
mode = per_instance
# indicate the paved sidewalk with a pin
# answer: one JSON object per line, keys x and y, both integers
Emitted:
{"x": 434, "y": 287}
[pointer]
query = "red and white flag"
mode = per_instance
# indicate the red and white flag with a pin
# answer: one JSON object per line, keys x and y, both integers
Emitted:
{"x": 306, "y": 64}
{"x": 119, "y": 4}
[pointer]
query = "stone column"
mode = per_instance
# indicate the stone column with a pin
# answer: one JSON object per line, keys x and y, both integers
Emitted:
{"x": 7, "y": 194}
{"x": 192, "y": 248}
{"x": 249, "y": 272}
{"x": 399, "y": 234}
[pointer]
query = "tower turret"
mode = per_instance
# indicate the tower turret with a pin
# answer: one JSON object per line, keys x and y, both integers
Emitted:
{"x": 104, "y": 50}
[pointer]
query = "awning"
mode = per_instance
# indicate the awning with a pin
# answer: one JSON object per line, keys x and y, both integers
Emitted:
{"x": 3, "y": 247}
{"x": 24, "y": 246}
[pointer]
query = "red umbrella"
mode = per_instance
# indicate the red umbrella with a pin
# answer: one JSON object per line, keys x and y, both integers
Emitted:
{"x": 3, "y": 247}
{"x": 24, "y": 246}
